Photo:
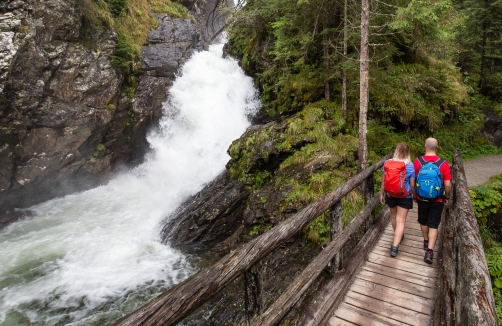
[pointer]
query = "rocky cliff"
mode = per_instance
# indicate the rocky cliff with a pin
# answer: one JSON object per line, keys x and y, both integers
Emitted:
{"x": 65, "y": 123}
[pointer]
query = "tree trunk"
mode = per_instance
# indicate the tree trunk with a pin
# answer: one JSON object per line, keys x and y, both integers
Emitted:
{"x": 327, "y": 88}
{"x": 363, "y": 89}
{"x": 344, "y": 71}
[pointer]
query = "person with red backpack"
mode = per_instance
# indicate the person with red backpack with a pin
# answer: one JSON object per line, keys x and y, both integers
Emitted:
{"x": 433, "y": 188}
{"x": 398, "y": 188}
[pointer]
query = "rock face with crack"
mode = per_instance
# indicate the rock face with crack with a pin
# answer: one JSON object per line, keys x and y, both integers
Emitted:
{"x": 64, "y": 122}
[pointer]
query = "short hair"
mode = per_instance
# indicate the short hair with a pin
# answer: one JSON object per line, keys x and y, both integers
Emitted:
{"x": 431, "y": 143}
{"x": 402, "y": 153}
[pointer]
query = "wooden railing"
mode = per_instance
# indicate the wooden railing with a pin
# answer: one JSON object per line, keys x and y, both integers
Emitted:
{"x": 182, "y": 299}
{"x": 464, "y": 294}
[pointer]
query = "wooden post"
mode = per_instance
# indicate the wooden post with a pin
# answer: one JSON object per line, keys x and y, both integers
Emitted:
{"x": 253, "y": 291}
{"x": 336, "y": 226}
{"x": 368, "y": 191}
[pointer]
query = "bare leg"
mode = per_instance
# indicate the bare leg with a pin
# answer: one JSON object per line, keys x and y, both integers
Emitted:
{"x": 425, "y": 231}
{"x": 393, "y": 213}
{"x": 400, "y": 221}
{"x": 433, "y": 235}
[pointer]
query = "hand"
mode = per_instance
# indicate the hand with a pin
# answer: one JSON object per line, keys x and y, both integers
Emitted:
{"x": 446, "y": 201}
{"x": 382, "y": 198}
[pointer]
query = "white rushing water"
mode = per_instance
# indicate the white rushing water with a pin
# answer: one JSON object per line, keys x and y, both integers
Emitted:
{"x": 89, "y": 258}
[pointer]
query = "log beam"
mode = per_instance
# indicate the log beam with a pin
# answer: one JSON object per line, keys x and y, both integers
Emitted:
{"x": 172, "y": 306}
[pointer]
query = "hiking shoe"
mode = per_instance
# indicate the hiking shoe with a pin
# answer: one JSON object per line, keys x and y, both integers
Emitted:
{"x": 393, "y": 250}
{"x": 426, "y": 244}
{"x": 429, "y": 255}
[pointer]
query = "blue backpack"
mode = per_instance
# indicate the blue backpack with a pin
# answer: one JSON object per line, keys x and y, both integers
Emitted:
{"x": 429, "y": 179}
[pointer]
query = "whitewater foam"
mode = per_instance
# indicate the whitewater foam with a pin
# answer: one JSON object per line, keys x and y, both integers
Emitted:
{"x": 91, "y": 257}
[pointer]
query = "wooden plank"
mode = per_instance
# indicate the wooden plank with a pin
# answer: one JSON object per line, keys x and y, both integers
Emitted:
{"x": 385, "y": 245}
{"x": 172, "y": 306}
{"x": 396, "y": 297}
{"x": 335, "y": 321}
{"x": 403, "y": 255}
{"x": 416, "y": 268}
{"x": 399, "y": 314}
{"x": 408, "y": 242}
{"x": 412, "y": 231}
{"x": 400, "y": 274}
{"x": 418, "y": 238}
{"x": 398, "y": 284}
{"x": 328, "y": 299}
{"x": 407, "y": 245}
{"x": 301, "y": 284}
{"x": 363, "y": 317}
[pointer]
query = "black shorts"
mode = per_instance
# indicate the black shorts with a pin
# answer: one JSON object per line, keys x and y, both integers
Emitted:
{"x": 401, "y": 202}
{"x": 429, "y": 213}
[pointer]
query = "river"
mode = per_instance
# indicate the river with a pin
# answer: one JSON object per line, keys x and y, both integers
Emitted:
{"x": 91, "y": 257}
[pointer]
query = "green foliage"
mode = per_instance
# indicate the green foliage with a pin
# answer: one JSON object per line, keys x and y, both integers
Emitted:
{"x": 487, "y": 199}
{"x": 118, "y": 7}
{"x": 123, "y": 55}
{"x": 255, "y": 230}
{"x": 319, "y": 229}
{"x": 417, "y": 94}
{"x": 494, "y": 261}
{"x": 311, "y": 131}
{"x": 481, "y": 45}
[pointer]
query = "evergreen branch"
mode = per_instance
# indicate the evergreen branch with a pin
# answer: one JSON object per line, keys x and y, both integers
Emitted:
{"x": 386, "y": 4}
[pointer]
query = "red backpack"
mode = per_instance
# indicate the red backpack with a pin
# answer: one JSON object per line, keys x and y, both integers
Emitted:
{"x": 394, "y": 176}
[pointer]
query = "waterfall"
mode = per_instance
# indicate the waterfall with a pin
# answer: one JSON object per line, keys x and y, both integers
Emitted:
{"x": 91, "y": 257}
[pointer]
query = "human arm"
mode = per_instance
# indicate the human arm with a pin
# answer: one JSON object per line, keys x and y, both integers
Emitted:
{"x": 413, "y": 188}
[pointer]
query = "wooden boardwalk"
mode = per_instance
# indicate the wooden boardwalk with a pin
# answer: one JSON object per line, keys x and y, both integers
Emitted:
{"x": 392, "y": 291}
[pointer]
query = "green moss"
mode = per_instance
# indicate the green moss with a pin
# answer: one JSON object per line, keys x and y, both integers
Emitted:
{"x": 171, "y": 8}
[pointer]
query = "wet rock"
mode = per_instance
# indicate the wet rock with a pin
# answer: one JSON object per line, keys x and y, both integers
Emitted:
{"x": 213, "y": 213}
{"x": 54, "y": 97}
{"x": 493, "y": 127}
{"x": 169, "y": 46}
{"x": 14, "y": 216}
{"x": 60, "y": 99}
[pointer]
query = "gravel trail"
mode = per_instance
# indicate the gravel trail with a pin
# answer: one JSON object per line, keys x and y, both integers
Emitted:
{"x": 479, "y": 170}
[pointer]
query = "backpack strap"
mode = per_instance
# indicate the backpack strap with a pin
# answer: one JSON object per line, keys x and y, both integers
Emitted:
{"x": 439, "y": 162}
{"x": 422, "y": 161}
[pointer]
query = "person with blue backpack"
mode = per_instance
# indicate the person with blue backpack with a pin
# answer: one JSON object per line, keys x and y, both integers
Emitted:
{"x": 433, "y": 186}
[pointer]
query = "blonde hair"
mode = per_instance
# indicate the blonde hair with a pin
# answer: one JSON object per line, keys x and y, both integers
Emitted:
{"x": 402, "y": 153}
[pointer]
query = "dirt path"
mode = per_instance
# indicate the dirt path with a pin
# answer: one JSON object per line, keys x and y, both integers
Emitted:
{"x": 479, "y": 170}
